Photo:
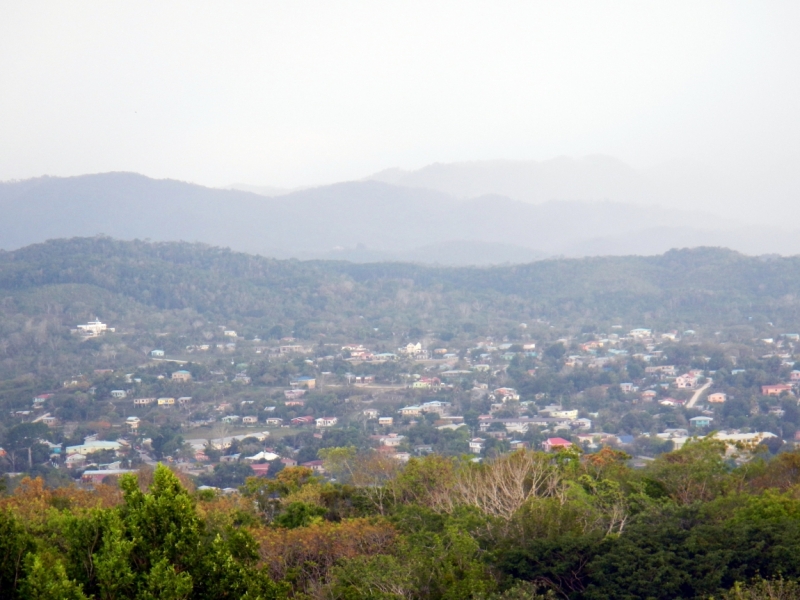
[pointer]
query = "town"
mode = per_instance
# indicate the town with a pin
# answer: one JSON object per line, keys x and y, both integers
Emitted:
{"x": 235, "y": 407}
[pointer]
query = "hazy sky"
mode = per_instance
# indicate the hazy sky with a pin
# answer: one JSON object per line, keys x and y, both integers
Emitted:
{"x": 292, "y": 93}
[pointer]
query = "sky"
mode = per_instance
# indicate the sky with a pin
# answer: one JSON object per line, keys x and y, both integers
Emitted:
{"x": 304, "y": 93}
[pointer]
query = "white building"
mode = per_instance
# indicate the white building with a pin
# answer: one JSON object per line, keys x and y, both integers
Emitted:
{"x": 326, "y": 421}
{"x": 88, "y": 447}
{"x": 93, "y": 328}
{"x": 392, "y": 440}
{"x": 411, "y": 349}
{"x": 476, "y": 445}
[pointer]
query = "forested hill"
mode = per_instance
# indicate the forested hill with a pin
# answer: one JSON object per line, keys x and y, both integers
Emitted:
{"x": 705, "y": 287}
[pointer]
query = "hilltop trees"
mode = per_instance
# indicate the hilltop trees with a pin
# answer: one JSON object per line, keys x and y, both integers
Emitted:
{"x": 706, "y": 520}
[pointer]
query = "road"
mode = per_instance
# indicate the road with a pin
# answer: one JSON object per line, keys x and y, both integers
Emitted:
{"x": 699, "y": 393}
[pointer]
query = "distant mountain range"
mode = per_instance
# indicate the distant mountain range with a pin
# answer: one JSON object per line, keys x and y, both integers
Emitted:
{"x": 748, "y": 194}
{"x": 394, "y": 216}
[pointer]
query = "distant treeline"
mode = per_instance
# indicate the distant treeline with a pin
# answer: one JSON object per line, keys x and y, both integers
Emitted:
{"x": 699, "y": 287}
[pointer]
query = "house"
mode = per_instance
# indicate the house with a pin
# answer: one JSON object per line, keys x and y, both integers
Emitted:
{"x": 143, "y": 401}
{"x": 476, "y": 445}
{"x": 327, "y": 421}
{"x": 518, "y": 445}
{"x": 289, "y": 462}
{"x": 794, "y": 376}
{"x": 371, "y": 413}
{"x": 506, "y": 394}
{"x": 293, "y": 349}
{"x": 353, "y": 348}
{"x": 184, "y": 400}
{"x": 556, "y": 443}
{"x": 118, "y": 394}
{"x": 627, "y": 388}
{"x": 392, "y": 440}
{"x": 166, "y": 401}
{"x": 97, "y": 476}
{"x": 250, "y": 420}
{"x": 93, "y": 328}
{"x": 295, "y": 403}
{"x": 775, "y": 389}
{"x": 89, "y": 447}
{"x": 427, "y": 383}
{"x": 132, "y": 423}
{"x": 293, "y": 394}
{"x": 435, "y": 406}
{"x": 385, "y": 421}
{"x": 717, "y": 398}
{"x": 273, "y": 421}
{"x": 230, "y": 419}
{"x": 663, "y": 370}
{"x": 686, "y": 381}
{"x": 300, "y": 421}
{"x": 182, "y": 376}
{"x": 648, "y": 395}
{"x": 411, "y": 349}
{"x": 314, "y": 465}
{"x": 157, "y": 353}
{"x": 671, "y": 402}
{"x": 582, "y": 424}
{"x": 701, "y": 421}
{"x": 260, "y": 469}
{"x": 556, "y": 412}
{"x": 38, "y": 401}
{"x": 49, "y": 420}
{"x": 304, "y": 382}
{"x": 263, "y": 455}
{"x": 411, "y": 411}
{"x": 75, "y": 460}
{"x": 450, "y": 419}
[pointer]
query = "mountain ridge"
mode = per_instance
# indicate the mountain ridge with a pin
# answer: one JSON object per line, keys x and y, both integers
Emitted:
{"x": 363, "y": 219}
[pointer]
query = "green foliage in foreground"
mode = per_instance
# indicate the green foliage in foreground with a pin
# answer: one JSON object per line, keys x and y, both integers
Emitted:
{"x": 152, "y": 546}
{"x": 693, "y": 524}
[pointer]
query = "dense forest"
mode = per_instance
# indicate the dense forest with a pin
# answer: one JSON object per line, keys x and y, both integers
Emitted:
{"x": 712, "y": 287}
{"x": 704, "y": 521}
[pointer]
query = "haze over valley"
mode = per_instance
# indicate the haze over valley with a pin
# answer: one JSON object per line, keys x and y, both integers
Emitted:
{"x": 420, "y": 300}
{"x": 457, "y": 214}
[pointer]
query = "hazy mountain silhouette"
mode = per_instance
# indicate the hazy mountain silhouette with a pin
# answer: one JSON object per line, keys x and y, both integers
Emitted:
{"x": 360, "y": 221}
{"x": 754, "y": 197}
